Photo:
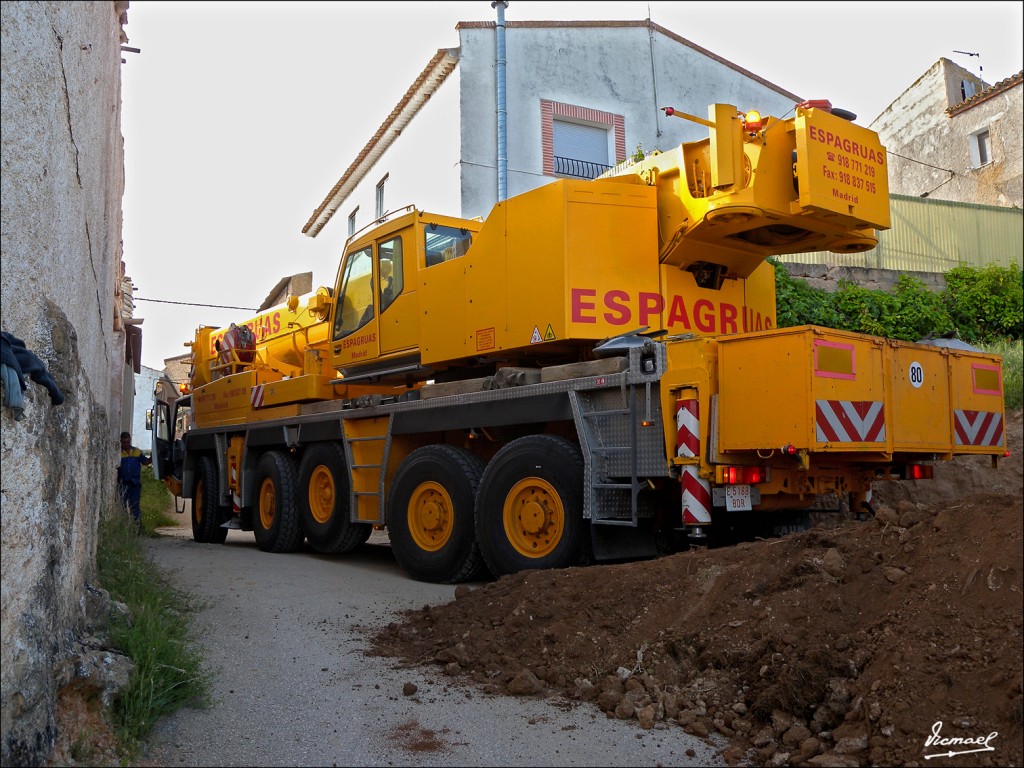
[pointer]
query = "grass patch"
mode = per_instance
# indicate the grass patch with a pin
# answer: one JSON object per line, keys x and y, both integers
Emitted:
{"x": 157, "y": 636}
{"x": 1013, "y": 377}
{"x": 157, "y": 504}
{"x": 83, "y": 750}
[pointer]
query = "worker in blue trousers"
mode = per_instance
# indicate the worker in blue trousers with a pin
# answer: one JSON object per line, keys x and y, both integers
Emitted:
{"x": 129, "y": 477}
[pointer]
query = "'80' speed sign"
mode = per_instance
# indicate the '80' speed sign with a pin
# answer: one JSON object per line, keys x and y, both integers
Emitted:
{"x": 916, "y": 374}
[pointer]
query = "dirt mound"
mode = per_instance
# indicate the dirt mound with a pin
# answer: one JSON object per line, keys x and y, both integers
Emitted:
{"x": 867, "y": 642}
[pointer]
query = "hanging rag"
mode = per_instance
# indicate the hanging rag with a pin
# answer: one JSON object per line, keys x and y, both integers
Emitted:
{"x": 13, "y": 397}
{"x": 17, "y": 362}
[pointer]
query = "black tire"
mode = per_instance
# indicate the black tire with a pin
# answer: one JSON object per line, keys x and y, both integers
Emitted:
{"x": 529, "y": 510}
{"x": 430, "y": 515}
{"x": 323, "y": 501}
{"x": 275, "y": 520}
{"x": 207, "y": 514}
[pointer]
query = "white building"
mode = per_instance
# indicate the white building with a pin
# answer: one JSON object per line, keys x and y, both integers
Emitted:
{"x": 145, "y": 387}
{"x": 578, "y": 97}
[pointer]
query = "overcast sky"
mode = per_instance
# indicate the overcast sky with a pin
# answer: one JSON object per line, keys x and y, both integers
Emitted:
{"x": 239, "y": 117}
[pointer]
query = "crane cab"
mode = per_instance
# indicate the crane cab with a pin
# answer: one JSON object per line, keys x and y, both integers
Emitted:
{"x": 377, "y": 316}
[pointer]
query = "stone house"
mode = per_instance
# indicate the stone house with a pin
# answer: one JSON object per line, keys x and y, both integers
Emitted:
{"x": 63, "y": 296}
{"x": 291, "y": 285}
{"x": 951, "y": 136}
{"x": 956, "y": 158}
{"x": 176, "y": 372}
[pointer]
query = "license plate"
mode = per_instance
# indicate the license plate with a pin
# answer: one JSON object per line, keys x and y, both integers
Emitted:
{"x": 737, "y": 498}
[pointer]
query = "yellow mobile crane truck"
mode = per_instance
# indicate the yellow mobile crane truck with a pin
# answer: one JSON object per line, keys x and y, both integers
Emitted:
{"x": 592, "y": 372}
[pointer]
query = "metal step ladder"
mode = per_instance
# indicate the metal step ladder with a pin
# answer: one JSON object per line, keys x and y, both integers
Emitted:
{"x": 607, "y": 498}
{"x": 367, "y": 471}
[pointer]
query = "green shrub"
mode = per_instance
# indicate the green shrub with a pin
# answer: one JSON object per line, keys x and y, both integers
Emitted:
{"x": 978, "y": 305}
{"x": 920, "y": 312}
{"x": 863, "y": 310}
{"x": 797, "y": 303}
{"x": 985, "y": 304}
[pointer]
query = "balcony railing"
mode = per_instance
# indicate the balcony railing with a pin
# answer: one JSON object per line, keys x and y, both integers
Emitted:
{"x": 578, "y": 169}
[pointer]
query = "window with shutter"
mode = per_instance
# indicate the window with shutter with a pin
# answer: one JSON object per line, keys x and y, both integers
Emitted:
{"x": 980, "y": 148}
{"x": 580, "y": 142}
{"x": 579, "y": 150}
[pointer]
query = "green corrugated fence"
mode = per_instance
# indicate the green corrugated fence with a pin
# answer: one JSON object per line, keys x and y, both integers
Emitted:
{"x": 935, "y": 236}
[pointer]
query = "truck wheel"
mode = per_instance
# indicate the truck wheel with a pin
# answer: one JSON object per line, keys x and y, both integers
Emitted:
{"x": 430, "y": 515}
{"x": 206, "y": 516}
{"x": 529, "y": 511}
{"x": 275, "y": 520}
{"x": 324, "y": 501}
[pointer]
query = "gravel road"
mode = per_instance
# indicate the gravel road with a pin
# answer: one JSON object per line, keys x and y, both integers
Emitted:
{"x": 285, "y": 636}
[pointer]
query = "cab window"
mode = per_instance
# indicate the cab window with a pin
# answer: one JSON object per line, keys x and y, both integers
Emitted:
{"x": 389, "y": 254}
{"x": 355, "y": 294}
{"x": 445, "y": 243}
{"x": 182, "y": 422}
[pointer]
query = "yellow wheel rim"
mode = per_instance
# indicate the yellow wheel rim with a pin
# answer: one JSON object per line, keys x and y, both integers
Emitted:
{"x": 431, "y": 516}
{"x": 321, "y": 494}
{"x": 534, "y": 517}
{"x": 267, "y": 504}
{"x": 197, "y": 502}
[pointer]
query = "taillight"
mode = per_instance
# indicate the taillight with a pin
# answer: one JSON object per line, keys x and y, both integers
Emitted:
{"x": 789, "y": 449}
{"x": 744, "y": 475}
{"x": 919, "y": 472}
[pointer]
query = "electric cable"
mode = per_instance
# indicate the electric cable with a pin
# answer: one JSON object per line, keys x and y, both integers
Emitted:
{"x": 193, "y": 304}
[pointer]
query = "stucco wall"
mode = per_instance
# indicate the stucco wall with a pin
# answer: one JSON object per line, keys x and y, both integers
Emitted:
{"x": 445, "y": 160}
{"x": 145, "y": 385}
{"x": 929, "y": 150}
{"x": 62, "y": 182}
{"x": 601, "y": 68}
{"x": 1000, "y": 182}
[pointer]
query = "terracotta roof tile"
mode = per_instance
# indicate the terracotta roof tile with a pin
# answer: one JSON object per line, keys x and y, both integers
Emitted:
{"x": 436, "y": 72}
{"x": 1001, "y": 87}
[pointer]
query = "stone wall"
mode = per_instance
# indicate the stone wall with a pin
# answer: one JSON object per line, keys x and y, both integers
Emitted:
{"x": 827, "y": 277}
{"x": 62, "y": 184}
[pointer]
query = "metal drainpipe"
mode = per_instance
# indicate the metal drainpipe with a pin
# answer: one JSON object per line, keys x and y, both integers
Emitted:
{"x": 499, "y": 74}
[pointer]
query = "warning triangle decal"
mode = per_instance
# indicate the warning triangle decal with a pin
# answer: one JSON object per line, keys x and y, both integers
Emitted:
{"x": 536, "y": 339}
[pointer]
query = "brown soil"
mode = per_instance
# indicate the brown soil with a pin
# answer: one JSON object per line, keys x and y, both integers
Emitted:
{"x": 845, "y": 645}
{"x": 85, "y": 735}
